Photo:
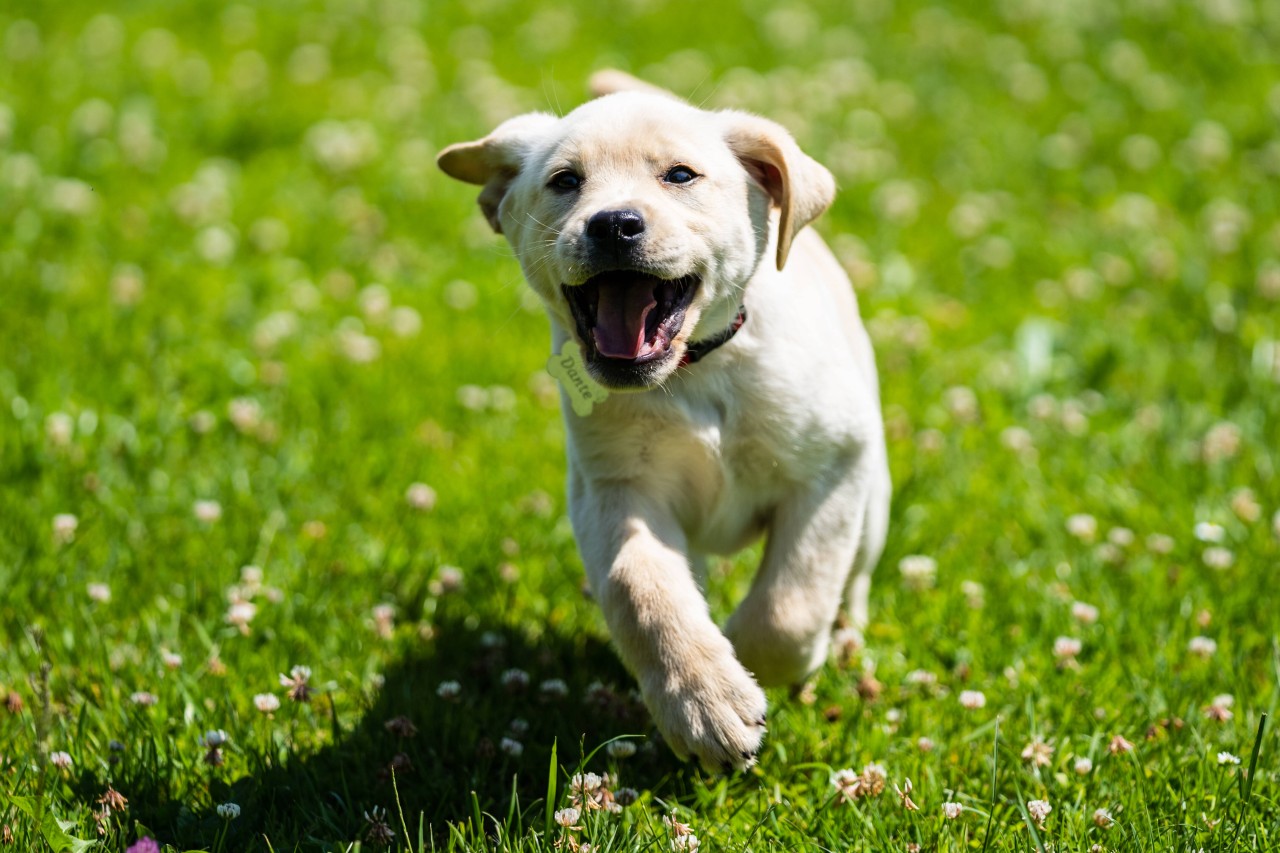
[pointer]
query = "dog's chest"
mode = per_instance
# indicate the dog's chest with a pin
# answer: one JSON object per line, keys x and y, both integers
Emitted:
{"x": 732, "y": 466}
{"x": 720, "y": 456}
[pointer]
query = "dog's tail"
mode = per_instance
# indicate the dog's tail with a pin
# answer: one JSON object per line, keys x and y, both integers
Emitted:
{"x": 610, "y": 80}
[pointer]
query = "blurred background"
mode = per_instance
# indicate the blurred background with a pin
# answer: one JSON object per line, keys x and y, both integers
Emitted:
{"x": 244, "y": 320}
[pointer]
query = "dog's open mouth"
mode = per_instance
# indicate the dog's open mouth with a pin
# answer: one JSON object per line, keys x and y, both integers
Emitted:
{"x": 630, "y": 317}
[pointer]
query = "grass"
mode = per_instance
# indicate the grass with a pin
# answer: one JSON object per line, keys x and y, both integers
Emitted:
{"x": 231, "y": 274}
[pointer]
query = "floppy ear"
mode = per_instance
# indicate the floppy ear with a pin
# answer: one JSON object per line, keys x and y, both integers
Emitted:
{"x": 493, "y": 162}
{"x": 800, "y": 186}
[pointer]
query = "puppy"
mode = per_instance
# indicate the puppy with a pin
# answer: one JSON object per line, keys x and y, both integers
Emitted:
{"x": 669, "y": 244}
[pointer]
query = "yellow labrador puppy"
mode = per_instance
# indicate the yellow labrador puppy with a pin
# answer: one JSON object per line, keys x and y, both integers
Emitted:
{"x": 669, "y": 244}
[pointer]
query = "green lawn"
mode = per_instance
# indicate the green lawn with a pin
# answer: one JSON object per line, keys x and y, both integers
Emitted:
{"x": 242, "y": 315}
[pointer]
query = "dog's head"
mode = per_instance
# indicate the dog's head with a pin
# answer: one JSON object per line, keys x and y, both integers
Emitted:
{"x": 639, "y": 219}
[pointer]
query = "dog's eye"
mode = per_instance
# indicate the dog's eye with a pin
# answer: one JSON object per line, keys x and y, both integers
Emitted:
{"x": 679, "y": 175}
{"x": 565, "y": 181}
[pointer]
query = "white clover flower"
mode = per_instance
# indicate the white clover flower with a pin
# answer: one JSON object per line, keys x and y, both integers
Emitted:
{"x": 1086, "y": 613}
{"x": 1083, "y": 526}
{"x": 202, "y": 422}
{"x": 952, "y": 810}
{"x": 586, "y": 783}
{"x": 448, "y": 579}
{"x": 875, "y": 772}
{"x": 245, "y": 414}
{"x": 961, "y": 402}
{"x": 621, "y": 749}
{"x": 554, "y": 688}
{"x": 342, "y": 146}
{"x": 567, "y": 817}
{"x": 64, "y": 528}
{"x": 357, "y": 347}
{"x": 473, "y": 397}
{"x": 59, "y": 427}
{"x": 1039, "y": 810}
{"x": 1017, "y": 439}
{"x": 171, "y": 660}
{"x": 1066, "y": 647}
{"x": 1121, "y": 537}
{"x": 1218, "y": 558}
{"x": 1038, "y": 753}
{"x": 228, "y": 811}
{"x": 214, "y": 738}
{"x": 405, "y": 321}
{"x": 1222, "y": 441}
{"x": 682, "y": 837}
{"x": 266, "y": 702}
{"x": 973, "y": 699}
{"x": 143, "y": 698}
{"x": 921, "y": 676}
{"x": 511, "y": 747}
{"x": 240, "y": 614}
{"x": 1207, "y": 531}
{"x": 1245, "y": 505}
{"x": 216, "y": 244}
{"x": 384, "y": 617}
{"x": 60, "y": 760}
{"x": 1223, "y": 700}
{"x": 99, "y": 592}
{"x": 449, "y": 690}
{"x": 514, "y": 679}
{"x": 1083, "y": 766}
{"x": 1103, "y": 818}
{"x": 1228, "y": 758}
{"x": 925, "y": 744}
{"x": 71, "y": 197}
{"x": 687, "y": 842}
{"x": 918, "y": 570}
{"x": 421, "y": 497}
{"x": 1202, "y": 646}
{"x": 207, "y": 511}
{"x": 1120, "y": 745}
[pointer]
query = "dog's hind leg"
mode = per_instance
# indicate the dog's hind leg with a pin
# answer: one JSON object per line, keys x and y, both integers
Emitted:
{"x": 782, "y": 629}
{"x": 875, "y": 529}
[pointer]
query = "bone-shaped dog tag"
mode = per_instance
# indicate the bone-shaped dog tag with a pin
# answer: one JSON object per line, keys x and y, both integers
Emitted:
{"x": 570, "y": 371}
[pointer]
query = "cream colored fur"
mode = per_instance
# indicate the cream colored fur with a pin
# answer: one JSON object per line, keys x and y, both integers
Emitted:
{"x": 777, "y": 433}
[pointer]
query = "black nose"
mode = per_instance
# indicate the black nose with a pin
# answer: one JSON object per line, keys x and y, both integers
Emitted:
{"x": 616, "y": 229}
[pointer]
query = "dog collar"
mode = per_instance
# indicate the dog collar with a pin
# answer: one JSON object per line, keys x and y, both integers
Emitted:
{"x": 697, "y": 351}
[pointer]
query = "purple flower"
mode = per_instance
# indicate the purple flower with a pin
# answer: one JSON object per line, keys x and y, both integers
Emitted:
{"x": 144, "y": 845}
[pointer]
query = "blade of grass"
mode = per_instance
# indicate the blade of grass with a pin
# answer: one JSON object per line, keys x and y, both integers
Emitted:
{"x": 552, "y": 770}
{"x": 995, "y": 764}
{"x": 1246, "y": 784}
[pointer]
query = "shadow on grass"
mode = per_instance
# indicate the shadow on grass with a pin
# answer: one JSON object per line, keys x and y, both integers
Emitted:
{"x": 317, "y": 801}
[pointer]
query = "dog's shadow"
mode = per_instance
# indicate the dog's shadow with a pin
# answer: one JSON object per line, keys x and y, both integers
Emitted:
{"x": 488, "y": 748}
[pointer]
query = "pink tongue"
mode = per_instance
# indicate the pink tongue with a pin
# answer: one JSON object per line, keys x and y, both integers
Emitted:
{"x": 620, "y": 318}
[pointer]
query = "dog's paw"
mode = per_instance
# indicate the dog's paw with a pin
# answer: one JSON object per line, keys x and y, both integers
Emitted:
{"x": 715, "y": 714}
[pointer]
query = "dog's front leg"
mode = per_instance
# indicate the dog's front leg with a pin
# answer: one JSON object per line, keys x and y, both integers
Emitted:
{"x": 701, "y": 698}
